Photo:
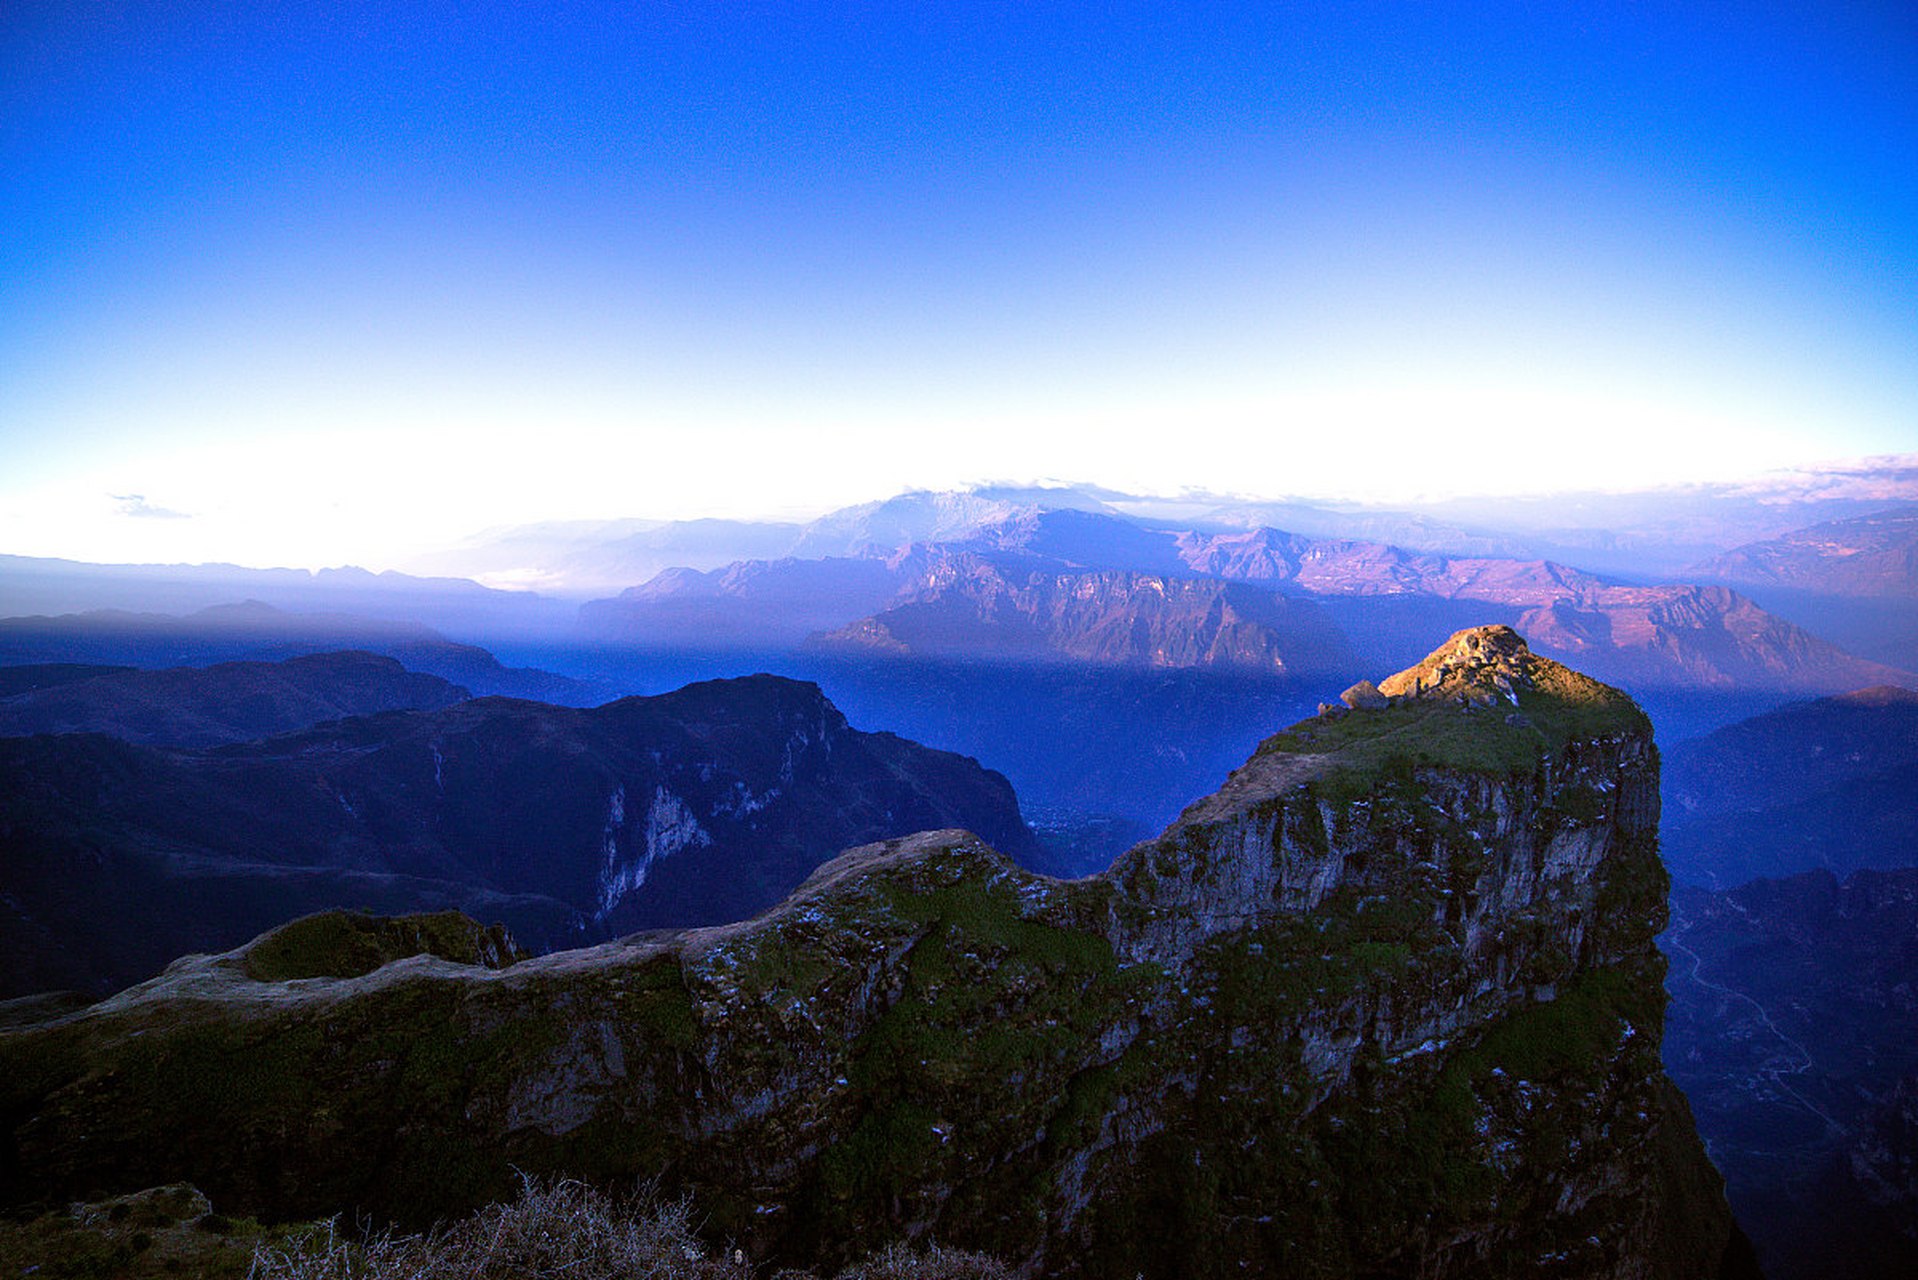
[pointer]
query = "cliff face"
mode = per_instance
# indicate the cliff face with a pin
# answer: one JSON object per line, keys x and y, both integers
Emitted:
{"x": 1387, "y": 1004}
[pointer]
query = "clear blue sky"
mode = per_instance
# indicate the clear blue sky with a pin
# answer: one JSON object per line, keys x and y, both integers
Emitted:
{"x": 339, "y": 282}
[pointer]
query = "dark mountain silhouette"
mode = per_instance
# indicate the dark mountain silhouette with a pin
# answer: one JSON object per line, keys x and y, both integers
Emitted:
{"x": 695, "y": 807}
{"x": 50, "y": 675}
{"x": 255, "y": 630}
{"x": 1831, "y": 783}
{"x": 227, "y": 702}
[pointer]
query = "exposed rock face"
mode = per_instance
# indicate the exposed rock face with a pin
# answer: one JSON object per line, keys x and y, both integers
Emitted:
{"x": 1668, "y": 635}
{"x": 1386, "y": 1004}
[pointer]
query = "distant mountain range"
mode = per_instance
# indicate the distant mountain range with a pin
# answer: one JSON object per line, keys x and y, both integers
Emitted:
{"x": 1078, "y": 586}
{"x": 207, "y": 706}
{"x": 255, "y": 630}
{"x": 1655, "y": 533}
{"x": 1854, "y": 580}
{"x": 1152, "y": 636}
{"x": 1866, "y": 556}
{"x": 570, "y": 825}
{"x": 882, "y": 576}
{"x": 967, "y": 606}
{"x": 31, "y": 586}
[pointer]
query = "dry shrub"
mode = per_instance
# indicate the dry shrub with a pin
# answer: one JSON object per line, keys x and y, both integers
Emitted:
{"x": 572, "y": 1230}
{"x": 553, "y": 1229}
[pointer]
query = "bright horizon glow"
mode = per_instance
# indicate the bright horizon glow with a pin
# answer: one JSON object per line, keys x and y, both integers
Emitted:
{"x": 335, "y": 292}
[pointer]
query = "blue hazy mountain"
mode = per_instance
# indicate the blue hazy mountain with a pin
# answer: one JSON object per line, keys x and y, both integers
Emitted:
{"x": 207, "y": 706}
{"x": 1828, "y": 784}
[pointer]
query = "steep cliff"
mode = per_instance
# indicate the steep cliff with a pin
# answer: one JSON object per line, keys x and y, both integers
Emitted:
{"x": 1386, "y": 1004}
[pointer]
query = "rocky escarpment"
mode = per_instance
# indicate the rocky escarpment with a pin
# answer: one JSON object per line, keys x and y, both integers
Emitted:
{"x": 1387, "y": 1004}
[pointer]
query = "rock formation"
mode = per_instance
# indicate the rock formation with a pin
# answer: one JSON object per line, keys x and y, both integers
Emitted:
{"x": 1385, "y": 1004}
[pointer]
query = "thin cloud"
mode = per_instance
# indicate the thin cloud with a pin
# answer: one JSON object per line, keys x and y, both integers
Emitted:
{"x": 136, "y": 505}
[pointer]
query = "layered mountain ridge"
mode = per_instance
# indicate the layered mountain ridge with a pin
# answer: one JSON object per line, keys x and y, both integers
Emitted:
{"x": 1871, "y": 556}
{"x": 1084, "y": 586}
{"x": 966, "y": 605}
{"x": 253, "y": 630}
{"x": 1387, "y": 1003}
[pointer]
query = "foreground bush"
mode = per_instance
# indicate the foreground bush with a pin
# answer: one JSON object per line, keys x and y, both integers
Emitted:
{"x": 572, "y": 1230}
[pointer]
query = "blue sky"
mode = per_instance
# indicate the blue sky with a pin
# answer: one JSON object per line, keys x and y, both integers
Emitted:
{"x": 346, "y": 282}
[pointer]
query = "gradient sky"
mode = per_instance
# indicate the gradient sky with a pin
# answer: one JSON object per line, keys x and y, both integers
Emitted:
{"x": 299, "y": 283}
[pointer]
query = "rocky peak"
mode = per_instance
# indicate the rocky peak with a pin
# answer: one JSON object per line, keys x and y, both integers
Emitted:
{"x": 1479, "y": 664}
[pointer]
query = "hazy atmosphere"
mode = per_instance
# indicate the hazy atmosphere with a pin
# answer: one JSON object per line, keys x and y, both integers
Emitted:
{"x": 302, "y": 285}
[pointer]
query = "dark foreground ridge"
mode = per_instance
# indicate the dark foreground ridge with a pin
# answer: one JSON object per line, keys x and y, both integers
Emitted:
{"x": 1386, "y": 1004}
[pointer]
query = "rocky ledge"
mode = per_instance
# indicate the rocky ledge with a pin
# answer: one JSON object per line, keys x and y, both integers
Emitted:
{"x": 1386, "y": 1004}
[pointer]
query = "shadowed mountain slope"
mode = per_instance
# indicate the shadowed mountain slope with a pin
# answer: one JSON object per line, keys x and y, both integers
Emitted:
{"x": 964, "y": 605}
{"x": 1831, "y": 783}
{"x": 689, "y": 808}
{"x": 252, "y": 630}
